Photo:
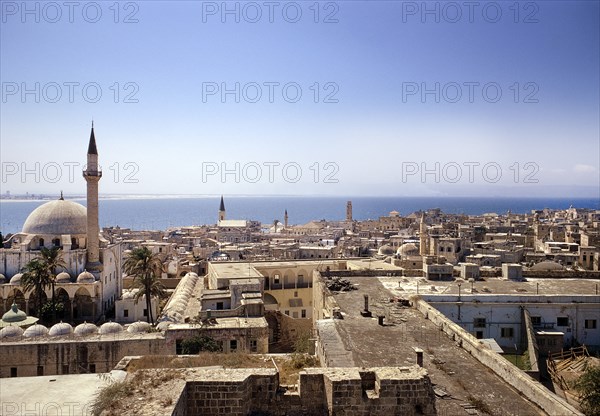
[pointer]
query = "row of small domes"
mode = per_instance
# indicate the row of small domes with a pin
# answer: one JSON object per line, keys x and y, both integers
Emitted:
{"x": 62, "y": 277}
{"x": 63, "y": 328}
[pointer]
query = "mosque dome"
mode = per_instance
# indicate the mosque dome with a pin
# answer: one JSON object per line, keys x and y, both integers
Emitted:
{"x": 63, "y": 277}
{"x": 138, "y": 327}
{"x": 85, "y": 277}
{"x": 57, "y": 218}
{"x": 386, "y": 250}
{"x": 11, "y": 331}
{"x": 408, "y": 249}
{"x": 61, "y": 328}
{"x": 14, "y": 315}
{"x": 36, "y": 330}
{"x": 16, "y": 279}
{"x": 86, "y": 329}
{"x": 110, "y": 328}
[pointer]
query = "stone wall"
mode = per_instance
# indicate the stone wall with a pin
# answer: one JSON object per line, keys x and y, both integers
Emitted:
{"x": 322, "y": 391}
{"x": 75, "y": 355}
{"x": 533, "y": 390}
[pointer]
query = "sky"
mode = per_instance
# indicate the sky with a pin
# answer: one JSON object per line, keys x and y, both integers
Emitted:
{"x": 382, "y": 98}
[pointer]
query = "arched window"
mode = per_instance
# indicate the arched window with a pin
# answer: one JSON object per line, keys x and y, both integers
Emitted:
{"x": 56, "y": 242}
{"x": 41, "y": 242}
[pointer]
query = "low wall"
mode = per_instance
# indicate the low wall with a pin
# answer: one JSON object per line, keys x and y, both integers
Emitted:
{"x": 533, "y": 390}
{"x": 532, "y": 345}
{"x": 360, "y": 392}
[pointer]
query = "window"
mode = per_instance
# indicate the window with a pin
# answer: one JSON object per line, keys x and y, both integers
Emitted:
{"x": 253, "y": 345}
{"x": 590, "y": 324}
{"x": 562, "y": 321}
{"x": 287, "y": 313}
{"x": 92, "y": 368}
{"x": 536, "y": 320}
{"x": 276, "y": 279}
{"x": 145, "y": 312}
{"x": 295, "y": 314}
{"x": 125, "y": 313}
{"x": 303, "y": 313}
{"x": 42, "y": 244}
{"x": 479, "y": 334}
{"x": 506, "y": 332}
{"x": 232, "y": 345}
{"x": 65, "y": 369}
{"x": 295, "y": 293}
{"x": 219, "y": 306}
{"x": 40, "y": 370}
{"x": 479, "y": 322}
{"x": 13, "y": 371}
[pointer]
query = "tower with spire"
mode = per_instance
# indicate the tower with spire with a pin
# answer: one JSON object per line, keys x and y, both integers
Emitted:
{"x": 92, "y": 175}
{"x": 222, "y": 210}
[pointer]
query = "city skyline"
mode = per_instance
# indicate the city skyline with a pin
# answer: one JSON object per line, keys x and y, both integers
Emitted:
{"x": 400, "y": 92}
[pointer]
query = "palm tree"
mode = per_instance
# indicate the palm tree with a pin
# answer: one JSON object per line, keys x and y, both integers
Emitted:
{"x": 146, "y": 268}
{"x": 53, "y": 260}
{"x": 36, "y": 279}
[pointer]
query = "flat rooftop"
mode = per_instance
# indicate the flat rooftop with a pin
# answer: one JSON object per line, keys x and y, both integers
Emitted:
{"x": 225, "y": 323}
{"x": 53, "y": 395}
{"x": 235, "y": 270}
{"x": 362, "y": 342}
{"x": 405, "y": 286}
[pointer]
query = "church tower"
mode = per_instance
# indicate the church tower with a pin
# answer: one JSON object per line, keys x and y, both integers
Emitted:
{"x": 422, "y": 236}
{"x": 222, "y": 210}
{"x": 349, "y": 211}
{"x": 285, "y": 219}
{"x": 92, "y": 175}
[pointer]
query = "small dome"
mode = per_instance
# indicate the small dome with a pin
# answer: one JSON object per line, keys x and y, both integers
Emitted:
{"x": 16, "y": 279}
{"x": 2, "y": 278}
{"x": 14, "y": 314}
{"x": 36, "y": 330}
{"x": 86, "y": 329}
{"x": 85, "y": 277}
{"x": 408, "y": 249}
{"x": 61, "y": 328}
{"x": 57, "y": 218}
{"x": 110, "y": 328}
{"x": 63, "y": 277}
{"x": 547, "y": 266}
{"x": 128, "y": 295}
{"x": 11, "y": 331}
{"x": 138, "y": 327}
{"x": 162, "y": 326}
{"x": 386, "y": 250}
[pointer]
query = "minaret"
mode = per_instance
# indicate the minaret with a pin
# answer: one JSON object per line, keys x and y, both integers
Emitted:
{"x": 349, "y": 211}
{"x": 92, "y": 175}
{"x": 222, "y": 210}
{"x": 285, "y": 219}
{"x": 422, "y": 236}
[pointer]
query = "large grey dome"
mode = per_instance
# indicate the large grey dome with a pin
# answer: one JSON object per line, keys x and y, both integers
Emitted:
{"x": 57, "y": 218}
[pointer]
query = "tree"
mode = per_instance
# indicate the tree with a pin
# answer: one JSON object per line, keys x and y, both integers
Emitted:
{"x": 146, "y": 268}
{"x": 52, "y": 258}
{"x": 199, "y": 343}
{"x": 588, "y": 387}
{"x": 36, "y": 279}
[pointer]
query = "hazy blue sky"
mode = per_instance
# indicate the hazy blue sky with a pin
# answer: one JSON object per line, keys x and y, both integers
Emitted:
{"x": 165, "y": 133}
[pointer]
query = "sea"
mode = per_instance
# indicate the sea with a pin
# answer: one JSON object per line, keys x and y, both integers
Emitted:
{"x": 161, "y": 213}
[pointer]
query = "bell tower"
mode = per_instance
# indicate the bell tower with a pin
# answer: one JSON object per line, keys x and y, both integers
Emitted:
{"x": 222, "y": 210}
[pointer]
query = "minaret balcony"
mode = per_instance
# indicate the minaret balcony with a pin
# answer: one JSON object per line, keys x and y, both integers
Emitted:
{"x": 91, "y": 173}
